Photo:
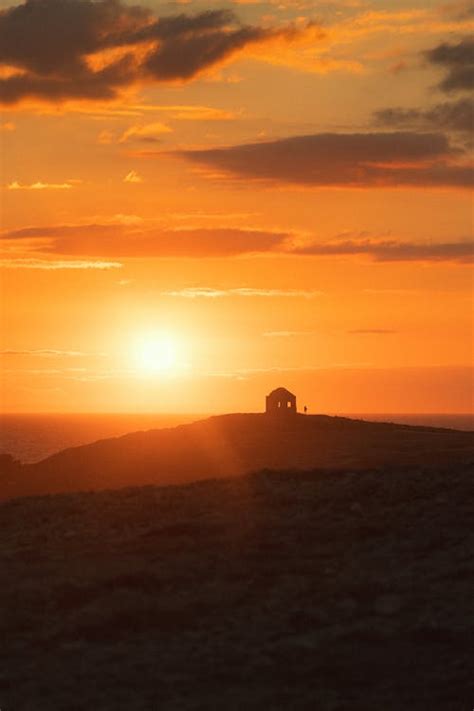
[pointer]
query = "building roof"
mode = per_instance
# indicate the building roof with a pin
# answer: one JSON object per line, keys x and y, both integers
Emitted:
{"x": 281, "y": 392}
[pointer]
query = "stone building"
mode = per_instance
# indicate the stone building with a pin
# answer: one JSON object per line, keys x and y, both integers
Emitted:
{"x": 280, "y": 402}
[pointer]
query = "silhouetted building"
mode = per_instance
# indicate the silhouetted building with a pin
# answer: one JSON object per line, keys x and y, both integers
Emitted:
{"x": 280, "y": 402}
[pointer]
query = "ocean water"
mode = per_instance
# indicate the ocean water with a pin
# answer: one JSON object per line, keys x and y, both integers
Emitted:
{"x": 30, "y": 438}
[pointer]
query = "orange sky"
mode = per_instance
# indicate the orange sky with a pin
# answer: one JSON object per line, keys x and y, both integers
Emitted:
{"x": 200, "y": 202}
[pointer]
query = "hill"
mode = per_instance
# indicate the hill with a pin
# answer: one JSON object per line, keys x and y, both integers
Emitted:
{"x": 288, "y": 591}
{"x": 229, "y": 445}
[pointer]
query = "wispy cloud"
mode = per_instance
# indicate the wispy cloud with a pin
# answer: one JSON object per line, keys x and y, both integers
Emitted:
{"x": 457, "y": 9}
{"x": 133, "y": 177}
{"x": 126, "y": 109}
{"x": 214, "y": 293}
{"x": 195, "y": 113}
{"x": 394, "y": 251}
{"x": 402, "y": 21}
{"x": 106, "y": 137}
{"x": 372, "y": 332}
{"x": 55, "y": 265}
{"x": 288, "y": 334}
{"x": 145, "y": 133}
{"x": 39, "y": 185}
{"x": 248, "y": 372}
{"x": 50, "y": 353}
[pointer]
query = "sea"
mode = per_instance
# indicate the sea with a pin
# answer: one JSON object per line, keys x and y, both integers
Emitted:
{"x": 30, "y": 438}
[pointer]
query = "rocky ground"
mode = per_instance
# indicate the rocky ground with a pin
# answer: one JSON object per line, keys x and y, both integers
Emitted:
{"x": 324, "y": 590}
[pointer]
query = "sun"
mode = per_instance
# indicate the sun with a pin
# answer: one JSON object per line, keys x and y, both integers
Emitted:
{"x": 157, "y": 353}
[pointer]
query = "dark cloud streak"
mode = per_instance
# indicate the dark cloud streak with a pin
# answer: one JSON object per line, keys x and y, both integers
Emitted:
{"x": 96, "y": 240}
{"x": 120, "y": 241}
{"x": 352, "y": 160}
{"x": 393, "y": 251}
{"x": 448, "y": 116}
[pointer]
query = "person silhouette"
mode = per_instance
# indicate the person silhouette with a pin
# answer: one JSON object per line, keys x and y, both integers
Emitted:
{"x": 305, "y": 409}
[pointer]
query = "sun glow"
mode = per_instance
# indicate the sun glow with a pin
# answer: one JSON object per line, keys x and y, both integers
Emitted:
{"x": 158, "y": 353}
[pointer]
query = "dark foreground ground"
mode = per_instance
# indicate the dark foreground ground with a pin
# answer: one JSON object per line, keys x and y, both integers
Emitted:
{"x": 332, "y": 591}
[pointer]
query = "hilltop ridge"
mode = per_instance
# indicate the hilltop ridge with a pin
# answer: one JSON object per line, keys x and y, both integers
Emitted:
{"x": 233, "y": 444}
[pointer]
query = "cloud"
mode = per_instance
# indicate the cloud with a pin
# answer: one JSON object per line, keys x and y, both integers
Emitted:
{"x": 287, "y": 334}
{"x": 458, "y": 62}
{"x": 197, "y": 113}
{"x": 130, "y": 240}
{"x": 372, "y": 332}
{"x": 127, "y": 220}
{"x": 7, "y": 126}
{"x": 55, "y": 265}
{"x": 147, "y": 133}
{"x": 125, "y": 108}
{"x": 458, "y": 9}
{"x": 106, "y": 137}
{"x": 49, "y": 353}
{"x": 448, "y": 116}
{"x": 125, "y": 237}
{"x": 55, "y": 50}
{"x": 393, "y": 251}
{"x": 189, "y": 45}
{"x": 66, "y": 231}
{"x": 39, "y": 185}
{"x": 153, "y": 132}
{"x": 133, "y": 177}
{"x": 214, "y": 293}
{"x": 243, "y": 373}
{"x": 332, "y": 159}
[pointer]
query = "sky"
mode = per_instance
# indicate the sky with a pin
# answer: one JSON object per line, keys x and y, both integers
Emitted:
{"x": 201, "y": 201}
